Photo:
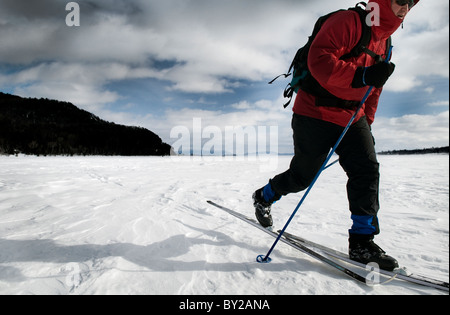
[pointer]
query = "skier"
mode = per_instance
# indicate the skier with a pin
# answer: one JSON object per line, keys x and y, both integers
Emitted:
{"x": 316, "y": 128}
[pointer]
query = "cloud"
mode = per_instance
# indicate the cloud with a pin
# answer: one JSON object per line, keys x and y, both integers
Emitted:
{"x": 212, "y": 43}
{"x": 412, "y": 131}
{"x": 421, "y": 48}
{"x": 414, "y": 63}
{"x": 79, "y": 83}
{"x": 32, "y": 10}
{"x": 438, "y": 103}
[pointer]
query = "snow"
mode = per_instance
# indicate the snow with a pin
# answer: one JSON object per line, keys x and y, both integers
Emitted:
{"x": 141, "y": 225}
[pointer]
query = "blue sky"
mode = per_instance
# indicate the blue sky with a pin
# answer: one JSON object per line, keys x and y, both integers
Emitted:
{"x": 160, "y": 64}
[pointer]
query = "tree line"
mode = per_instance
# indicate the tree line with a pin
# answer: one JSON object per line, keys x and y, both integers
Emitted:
{"x": 417, "y": 151}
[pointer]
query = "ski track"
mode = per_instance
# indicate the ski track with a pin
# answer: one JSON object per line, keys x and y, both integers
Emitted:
{"x": 118, "y": 225}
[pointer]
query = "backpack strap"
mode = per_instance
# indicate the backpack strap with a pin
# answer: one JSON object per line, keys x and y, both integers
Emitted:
{"x": 366, "y": 35}
{"x": 286, "y": 75}
{"x": 378, "y": 58}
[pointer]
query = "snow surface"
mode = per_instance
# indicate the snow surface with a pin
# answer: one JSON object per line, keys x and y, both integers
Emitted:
{"x": 117, "y": 225}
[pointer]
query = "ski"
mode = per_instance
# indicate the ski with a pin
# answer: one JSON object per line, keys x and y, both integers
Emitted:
{"x": 297, "y": 245}
{"x": 333, "y": 257}
{"x": 401, "y": 273}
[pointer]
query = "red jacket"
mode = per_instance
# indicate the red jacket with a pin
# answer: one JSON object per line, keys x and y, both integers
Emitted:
{"x": 337, "y": 37}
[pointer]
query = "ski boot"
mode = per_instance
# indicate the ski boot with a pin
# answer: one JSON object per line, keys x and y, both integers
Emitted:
{"x": 364, "y": 250}
{"x": 263, "y": 199}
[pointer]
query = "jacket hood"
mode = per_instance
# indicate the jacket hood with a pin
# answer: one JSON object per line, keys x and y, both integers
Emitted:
{"x": 389, "y": 22}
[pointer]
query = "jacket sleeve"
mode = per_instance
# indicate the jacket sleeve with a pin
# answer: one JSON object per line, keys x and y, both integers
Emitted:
{"x": 337, "y": 37}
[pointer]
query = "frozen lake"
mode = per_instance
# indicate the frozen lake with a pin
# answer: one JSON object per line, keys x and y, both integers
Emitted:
{"x": 141, "y": 225}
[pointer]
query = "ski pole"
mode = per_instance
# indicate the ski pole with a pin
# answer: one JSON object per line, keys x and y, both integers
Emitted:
{"x": 331, "y": 164}
{"x": 266, "y": 259}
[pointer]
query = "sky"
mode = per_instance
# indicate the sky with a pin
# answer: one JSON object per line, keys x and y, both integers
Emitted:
{"x": 202, "y": 65}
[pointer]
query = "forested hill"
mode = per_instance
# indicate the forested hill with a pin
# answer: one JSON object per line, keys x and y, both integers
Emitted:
{"x": 49, "y": 127}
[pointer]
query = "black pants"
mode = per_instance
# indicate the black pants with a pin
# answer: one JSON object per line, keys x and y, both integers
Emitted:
{"x": 313, "y": 140}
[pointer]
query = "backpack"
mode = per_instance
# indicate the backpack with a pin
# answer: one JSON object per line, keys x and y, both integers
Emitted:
{"x": 301, "y": 76}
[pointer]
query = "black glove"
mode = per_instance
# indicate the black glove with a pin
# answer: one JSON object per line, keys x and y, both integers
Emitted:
{"x": 376, "y": 75}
